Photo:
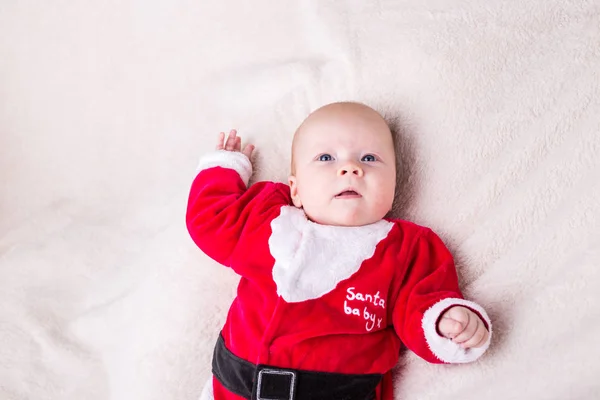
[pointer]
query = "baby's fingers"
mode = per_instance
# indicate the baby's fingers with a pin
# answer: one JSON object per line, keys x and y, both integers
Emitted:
{"x": 478, "y": 339}
{"x": 233, "y": 143}
{"x": 248, "y": 149}
{"x": 472, "y": 326}
{"x": 231, "y": 140}
{"x": 450, "y": 328}
{"x": 220, "y": 141}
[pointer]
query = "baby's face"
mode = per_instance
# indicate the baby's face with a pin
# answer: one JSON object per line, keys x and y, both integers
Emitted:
{"x": 344, "y": 167}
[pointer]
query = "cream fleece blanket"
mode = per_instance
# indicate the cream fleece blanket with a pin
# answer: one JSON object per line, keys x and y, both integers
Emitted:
{"x": 105, "y": 108}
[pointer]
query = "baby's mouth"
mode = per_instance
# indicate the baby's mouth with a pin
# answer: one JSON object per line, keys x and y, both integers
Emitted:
{"x": 348, "y": 194}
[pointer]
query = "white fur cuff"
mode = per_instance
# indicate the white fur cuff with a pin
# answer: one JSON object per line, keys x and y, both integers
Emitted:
{"x": 227, "y": 159}
{"x": 445, "y": 349}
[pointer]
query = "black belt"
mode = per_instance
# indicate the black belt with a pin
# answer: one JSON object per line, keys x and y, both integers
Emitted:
{"x": 264, "y": 382}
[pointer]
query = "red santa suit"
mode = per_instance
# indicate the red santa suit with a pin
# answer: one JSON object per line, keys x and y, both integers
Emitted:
{"x": 316, "y": 297}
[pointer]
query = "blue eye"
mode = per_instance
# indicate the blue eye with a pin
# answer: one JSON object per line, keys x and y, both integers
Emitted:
{"x": 368, "y": 158}
{"x": 325, "y": 157}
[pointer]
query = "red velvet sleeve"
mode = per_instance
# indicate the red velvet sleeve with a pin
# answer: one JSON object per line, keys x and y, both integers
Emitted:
{"x": 429, "y": 288}
{"x": 223, "y": 216}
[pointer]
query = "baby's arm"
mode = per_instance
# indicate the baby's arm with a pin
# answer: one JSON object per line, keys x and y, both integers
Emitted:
{"x": 223, "y": 215}
{"x": 428, "y": 303}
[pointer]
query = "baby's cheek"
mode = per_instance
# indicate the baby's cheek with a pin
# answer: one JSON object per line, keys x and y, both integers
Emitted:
{"x": 384, "y": 199}
{"x": 314, "y": 204}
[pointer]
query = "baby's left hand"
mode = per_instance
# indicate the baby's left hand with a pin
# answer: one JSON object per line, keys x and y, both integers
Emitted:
{"x": 463, "y": 326}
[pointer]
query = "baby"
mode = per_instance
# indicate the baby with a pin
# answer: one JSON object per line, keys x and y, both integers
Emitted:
{"x": 330, "y": 288}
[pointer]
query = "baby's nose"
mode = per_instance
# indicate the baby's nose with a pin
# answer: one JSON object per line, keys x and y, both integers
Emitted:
{"x": 351, "y": 168}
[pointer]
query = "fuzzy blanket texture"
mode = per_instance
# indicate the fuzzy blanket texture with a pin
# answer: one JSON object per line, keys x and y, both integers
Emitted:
{"x": 105, "y": 108}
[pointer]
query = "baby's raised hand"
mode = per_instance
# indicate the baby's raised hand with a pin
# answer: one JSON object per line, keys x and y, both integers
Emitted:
{"x": 463, "y": 326}
{"x": 233, "y": 143}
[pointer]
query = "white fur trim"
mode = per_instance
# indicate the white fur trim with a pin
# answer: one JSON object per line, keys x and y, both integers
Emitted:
{"x": 207, "y": 392}
{"x": 227, "y": 159}
{"x": 311, "y": 259}
{"x": 445, "y": 349}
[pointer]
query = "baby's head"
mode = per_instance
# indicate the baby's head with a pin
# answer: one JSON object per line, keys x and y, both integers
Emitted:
{"x": 343, "y": 166}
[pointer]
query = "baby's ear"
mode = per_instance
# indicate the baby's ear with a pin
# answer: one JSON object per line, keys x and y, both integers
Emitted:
{"x": 294, "y": 191}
